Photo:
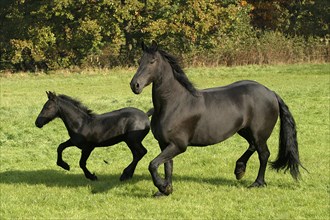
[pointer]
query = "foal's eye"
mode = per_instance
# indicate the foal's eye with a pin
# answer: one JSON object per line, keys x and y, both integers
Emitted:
{"x": 153, "y": 60}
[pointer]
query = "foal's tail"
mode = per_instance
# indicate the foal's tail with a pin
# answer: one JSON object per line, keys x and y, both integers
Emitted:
{"x": 288, "y": 154}
{"x": 150, "y": 112}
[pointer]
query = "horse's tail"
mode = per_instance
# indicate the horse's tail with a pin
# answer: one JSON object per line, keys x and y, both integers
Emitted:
{"x": 150, "y": 112}
{"x": 288, "y": 154}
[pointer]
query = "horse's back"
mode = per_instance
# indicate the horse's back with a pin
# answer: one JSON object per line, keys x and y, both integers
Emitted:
{"x": 238, "y": 92}
{"x": 239, "y": 85}
{"x": 231, "y": 108}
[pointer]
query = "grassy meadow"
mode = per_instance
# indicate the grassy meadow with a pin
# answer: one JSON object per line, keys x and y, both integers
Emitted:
{"x": 33, "y": 186}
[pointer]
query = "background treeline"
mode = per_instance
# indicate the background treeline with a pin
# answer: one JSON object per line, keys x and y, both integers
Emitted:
{"x": 55, "y": 34}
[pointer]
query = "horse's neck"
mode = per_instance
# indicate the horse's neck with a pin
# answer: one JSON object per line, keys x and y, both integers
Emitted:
{"x": 167, "y": 90}
{"x": 71, "y": 116}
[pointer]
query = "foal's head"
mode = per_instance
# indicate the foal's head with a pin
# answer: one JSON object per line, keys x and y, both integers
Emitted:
{"x": 49, "y": 111}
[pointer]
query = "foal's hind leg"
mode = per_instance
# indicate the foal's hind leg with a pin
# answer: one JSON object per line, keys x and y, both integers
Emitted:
{"x": 85, "y": 152}
{"x": 138, "y": 151}
{"x": 60, "y": 162}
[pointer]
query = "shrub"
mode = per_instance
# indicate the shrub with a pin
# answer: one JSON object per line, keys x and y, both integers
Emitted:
{"x": 87, "y": 33}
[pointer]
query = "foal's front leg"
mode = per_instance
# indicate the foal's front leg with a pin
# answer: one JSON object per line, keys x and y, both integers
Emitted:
{"x": 60, "y": 162}
{"x": 85, "y": 152}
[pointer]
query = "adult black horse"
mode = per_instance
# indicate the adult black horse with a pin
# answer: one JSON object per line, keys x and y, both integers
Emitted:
{"x": 185, "y": 116}
{"x": 88, "y": 130}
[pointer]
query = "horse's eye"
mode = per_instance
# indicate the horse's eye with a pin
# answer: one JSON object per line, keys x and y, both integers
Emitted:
{"x": 139, "y": 61}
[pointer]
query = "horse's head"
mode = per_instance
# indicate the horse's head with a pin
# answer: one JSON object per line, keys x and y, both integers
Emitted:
{"x": 148, "y": 68}
{"x": 49, "y": 111}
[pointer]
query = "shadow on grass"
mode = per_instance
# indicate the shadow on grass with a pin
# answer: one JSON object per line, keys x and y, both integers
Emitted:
{"x": 54, "y": 178}
{"x": 183, "y": 179}
{"x": 216, "y": 180}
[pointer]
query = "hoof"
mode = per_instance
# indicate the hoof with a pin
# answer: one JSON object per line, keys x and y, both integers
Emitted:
{"x": 239, "y": 175}
{"x": 64, "y": 165}
{"x": 92, "y": 177}
{"x": 125, "y": 177}
{"x": 257, "y": 184}
{"x": 239, "y": 170}
{"x": 167, "y": 189}
{"x": 159, "y": 194}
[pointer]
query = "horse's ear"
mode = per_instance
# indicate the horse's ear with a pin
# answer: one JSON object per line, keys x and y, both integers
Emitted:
{"x": 154, "y": 45}
{"x": 143, "y": 46}
{"x": 51, "y": 95}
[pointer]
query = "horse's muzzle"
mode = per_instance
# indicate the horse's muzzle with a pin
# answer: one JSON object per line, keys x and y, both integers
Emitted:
{"x": 135, "y": 86}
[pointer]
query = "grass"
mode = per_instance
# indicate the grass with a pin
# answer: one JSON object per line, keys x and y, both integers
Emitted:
{"x": 32, "y": 186}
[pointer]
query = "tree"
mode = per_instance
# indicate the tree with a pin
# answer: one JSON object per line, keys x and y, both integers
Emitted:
{"x": 295, "y": 17}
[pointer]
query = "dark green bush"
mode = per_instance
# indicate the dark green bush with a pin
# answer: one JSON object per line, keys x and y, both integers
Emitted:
{"x": 51, "y": 34}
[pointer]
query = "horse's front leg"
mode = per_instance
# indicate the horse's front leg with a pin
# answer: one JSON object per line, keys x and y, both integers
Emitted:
{"x": 85, "y": 152}
{"x": 60, "y": 162}
{"x": 164, "y": 185}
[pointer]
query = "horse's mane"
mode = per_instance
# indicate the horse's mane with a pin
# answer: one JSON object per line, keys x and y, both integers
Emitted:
{"x": 78, "y": 104}
{"x": 178, "y": 73}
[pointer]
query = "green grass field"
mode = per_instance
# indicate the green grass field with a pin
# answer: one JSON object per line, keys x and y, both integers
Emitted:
{"x": 32, "y": 186}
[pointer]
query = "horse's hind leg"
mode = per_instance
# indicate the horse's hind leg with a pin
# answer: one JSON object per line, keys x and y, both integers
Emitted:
{"x": 264, "y": 154}
{"x": 256, "y": 144}
{"x": 138, "y": 151}
{"x": 242, "y": 161}
{"x": 60, "y": 162}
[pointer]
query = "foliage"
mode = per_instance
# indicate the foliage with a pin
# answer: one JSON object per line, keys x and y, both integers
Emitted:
{"x": 297, "y": 17}
{"x": 32, "y": 186}
{"x": 57, "y": 34}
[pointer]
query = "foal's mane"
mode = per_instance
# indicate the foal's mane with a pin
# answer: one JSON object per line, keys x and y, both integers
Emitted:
{"x": 178, "y": 72}
{"x": 77, "y": 104}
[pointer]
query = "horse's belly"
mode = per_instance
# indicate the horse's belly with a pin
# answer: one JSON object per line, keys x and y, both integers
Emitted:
{"x": 209, "y": 133}
{"x": 210, "y": 138}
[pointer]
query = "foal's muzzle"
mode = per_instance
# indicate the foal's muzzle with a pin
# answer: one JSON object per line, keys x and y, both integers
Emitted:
{"x": 40, "y": 122}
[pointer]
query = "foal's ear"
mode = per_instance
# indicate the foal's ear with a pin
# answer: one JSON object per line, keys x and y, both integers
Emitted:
{"x": 51, "y": 95}
{"x": 143, "y": 46}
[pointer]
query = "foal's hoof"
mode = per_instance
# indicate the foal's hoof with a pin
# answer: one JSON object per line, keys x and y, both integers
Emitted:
{"x": 239, "y": 170}
{"x": 92, "y": 177}
{"x": 125, "y": 177}
{"x": 257, "y": 184}
{"x": 64, "y": 165}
